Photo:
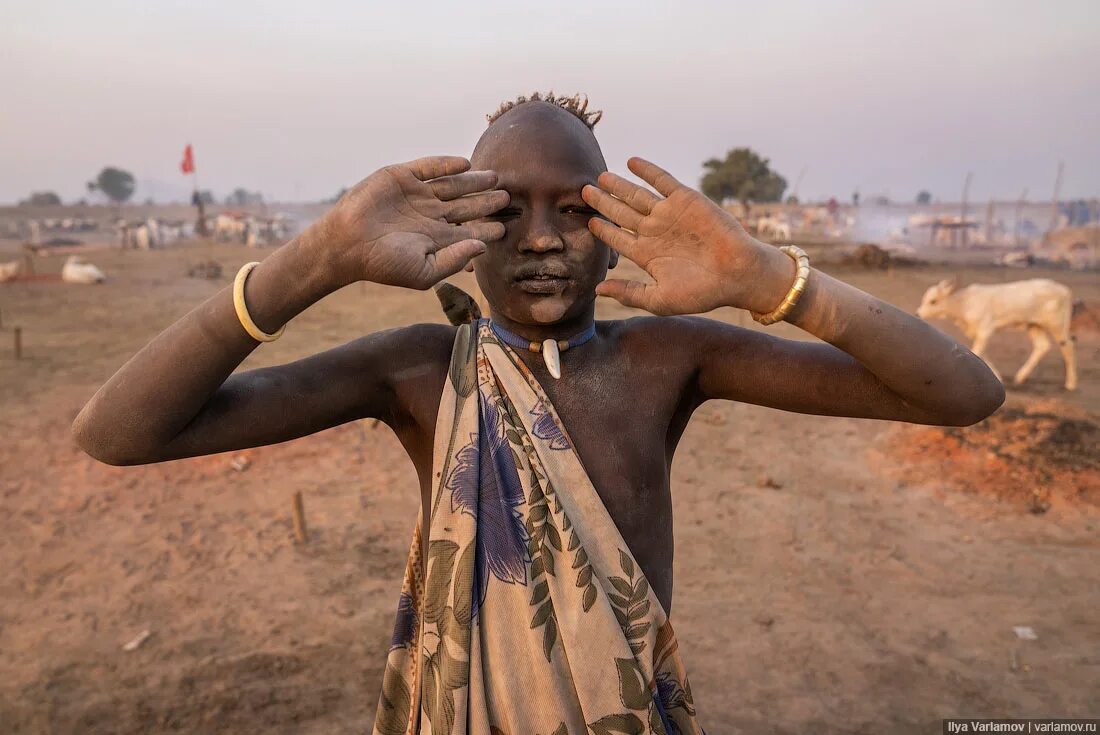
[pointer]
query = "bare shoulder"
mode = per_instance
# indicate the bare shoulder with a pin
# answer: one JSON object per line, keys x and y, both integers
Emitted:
{"x": 704, "y": 358}
{"x": 411, "y": 356}
{"x": 434, "y": 339}
{"x": 681, "y": 337}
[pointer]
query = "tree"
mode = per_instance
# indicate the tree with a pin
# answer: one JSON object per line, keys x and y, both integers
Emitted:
{"x": 116, "y": 184}
{"x": 744, "y": 176}
{"x": 924, "y": 197}
{"x": 241, "y": 197}
{"x": 41, "y": 199}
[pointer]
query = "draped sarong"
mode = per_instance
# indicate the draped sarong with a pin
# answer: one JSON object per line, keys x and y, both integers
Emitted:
{"x": 530, "y": 615}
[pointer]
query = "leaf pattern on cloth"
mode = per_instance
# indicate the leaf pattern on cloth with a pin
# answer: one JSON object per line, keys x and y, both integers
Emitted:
{"x": 672, "y": 697}
{"x": 630, "y": 603}
{"x": 485, "y": 484}
{"x": 569, "y": 639}
{"x": 404, "y": 629}
{"x": 547, "y": 428}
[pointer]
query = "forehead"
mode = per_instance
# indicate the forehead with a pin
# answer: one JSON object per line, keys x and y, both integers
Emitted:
{"x": 539, "y": 151}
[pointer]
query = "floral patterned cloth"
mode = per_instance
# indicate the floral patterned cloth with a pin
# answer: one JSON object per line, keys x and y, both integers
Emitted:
{"x": 530, "y": 616}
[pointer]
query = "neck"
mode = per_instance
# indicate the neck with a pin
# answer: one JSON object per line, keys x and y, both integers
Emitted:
{"x": 539, "y": 332}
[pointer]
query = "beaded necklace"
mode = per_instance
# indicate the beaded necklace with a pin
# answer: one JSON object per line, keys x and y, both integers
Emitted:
{"x": 551, "y": 349}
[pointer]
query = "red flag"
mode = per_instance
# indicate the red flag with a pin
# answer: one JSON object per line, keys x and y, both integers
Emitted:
{"x": 188, "y": 163}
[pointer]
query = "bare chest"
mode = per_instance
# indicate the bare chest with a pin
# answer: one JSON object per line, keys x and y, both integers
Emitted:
{"x": 625, "y": 431}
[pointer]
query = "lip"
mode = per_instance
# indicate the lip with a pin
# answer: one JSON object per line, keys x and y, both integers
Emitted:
{"x": 543, "y": 284}
{"x": 543, "y": 278}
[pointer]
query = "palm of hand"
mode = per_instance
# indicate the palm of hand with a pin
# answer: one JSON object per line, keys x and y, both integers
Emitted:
{"x": 409, "y": 224}
{"x": 688, "y": 246}
{"x": 398, "y": 237}
{"x": 697, "y": 254}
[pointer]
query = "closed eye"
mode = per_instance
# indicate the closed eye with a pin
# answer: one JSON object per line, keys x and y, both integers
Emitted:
{"x": 506, "y": 213}
{"x": 580, "y": 210}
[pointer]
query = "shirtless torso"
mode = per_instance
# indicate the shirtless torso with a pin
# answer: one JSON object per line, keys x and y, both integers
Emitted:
{"x": 624, "y": 415}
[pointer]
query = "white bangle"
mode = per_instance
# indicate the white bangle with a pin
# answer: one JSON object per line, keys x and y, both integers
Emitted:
{"x": 242, "y": 308}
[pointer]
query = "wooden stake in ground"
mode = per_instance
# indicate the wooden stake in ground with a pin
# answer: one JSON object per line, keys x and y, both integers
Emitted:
{"x": 299, "y": 519}
{"x": 18, "y": 332}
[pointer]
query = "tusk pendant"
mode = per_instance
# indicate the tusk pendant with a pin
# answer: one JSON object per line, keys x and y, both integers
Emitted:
{"x": 552, "y": 357}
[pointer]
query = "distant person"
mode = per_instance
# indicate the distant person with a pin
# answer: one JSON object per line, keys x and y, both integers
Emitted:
{"x": 200, "y": 221}
{"x": 539, "y": 580}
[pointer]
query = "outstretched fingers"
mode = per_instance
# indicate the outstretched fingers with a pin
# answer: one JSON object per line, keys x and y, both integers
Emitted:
{"x": 634, "y": 294}
{"x": 445, "y": 234}
{"x": 475, "y": 206}
{"x": 614, "y": 209}
{"x": 654, "y": 175}
{"x": 459, "y": 185}
{"x": 432, "y": 167}
{"x": 451, "y": 259}
{"x": 637, "y": 197}
{"x": 616, "y": 238}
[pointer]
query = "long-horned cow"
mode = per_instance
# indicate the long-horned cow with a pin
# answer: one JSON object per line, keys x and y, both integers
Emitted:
{"x": 1041, "y": 306}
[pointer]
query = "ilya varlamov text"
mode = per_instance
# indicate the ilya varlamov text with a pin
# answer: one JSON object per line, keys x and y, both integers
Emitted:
{"x": 1025, "y": 726}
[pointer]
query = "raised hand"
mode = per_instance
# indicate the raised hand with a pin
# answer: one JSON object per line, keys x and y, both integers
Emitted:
{"x": 410, "y": 224}
{"x": 700, "y": 258}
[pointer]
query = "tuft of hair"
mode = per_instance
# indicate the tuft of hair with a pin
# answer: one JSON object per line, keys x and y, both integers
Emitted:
{"x": 577, "y": 105}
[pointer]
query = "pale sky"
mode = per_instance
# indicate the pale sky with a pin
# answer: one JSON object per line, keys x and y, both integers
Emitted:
{"x": 297, "y": 99}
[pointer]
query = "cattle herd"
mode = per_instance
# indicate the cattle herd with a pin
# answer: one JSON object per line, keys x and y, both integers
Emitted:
{"x": 152, "y": 232}
{"x": 238, "y": 228}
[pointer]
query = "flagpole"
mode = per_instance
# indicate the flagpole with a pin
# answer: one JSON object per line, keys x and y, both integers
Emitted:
{"x": 196, "y": 197}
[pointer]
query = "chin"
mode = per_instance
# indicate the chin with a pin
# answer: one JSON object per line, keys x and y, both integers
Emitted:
{"x": 541, "y": 310}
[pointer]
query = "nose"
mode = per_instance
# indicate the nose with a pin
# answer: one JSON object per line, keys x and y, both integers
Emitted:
{"x": 543, "y": 237}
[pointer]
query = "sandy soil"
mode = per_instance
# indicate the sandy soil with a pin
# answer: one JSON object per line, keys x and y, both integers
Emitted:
{"x": 827, "y": 581}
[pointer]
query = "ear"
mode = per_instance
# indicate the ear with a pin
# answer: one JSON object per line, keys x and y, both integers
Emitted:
{"x": 949, "y": 285}
{"x": 613, "y": 259}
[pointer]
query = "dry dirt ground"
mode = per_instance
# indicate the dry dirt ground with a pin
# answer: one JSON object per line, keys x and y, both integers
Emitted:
{"x": 827, "y": 581}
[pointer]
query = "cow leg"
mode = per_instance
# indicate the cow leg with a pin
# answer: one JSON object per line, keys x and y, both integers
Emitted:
{"x": 978, "y": 348}
{"x": 1040, "y": 345}
{"x": 1069, "y": 355}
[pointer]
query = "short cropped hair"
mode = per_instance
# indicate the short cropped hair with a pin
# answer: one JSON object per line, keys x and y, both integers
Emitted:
{"x": 577, "y": 105}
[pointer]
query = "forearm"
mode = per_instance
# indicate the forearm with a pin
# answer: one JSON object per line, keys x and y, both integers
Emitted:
{"x": 161, "y": 390}
{"x": 920, "y": 364}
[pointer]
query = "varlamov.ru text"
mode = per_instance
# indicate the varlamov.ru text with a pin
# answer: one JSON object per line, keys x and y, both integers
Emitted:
{"x": 1026, "y": 726}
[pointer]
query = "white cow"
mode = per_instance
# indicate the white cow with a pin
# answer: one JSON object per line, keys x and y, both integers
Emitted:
{"x": 1041, "y": 306}
{"x": 76, "y": 270}
{"x": 229, "y": 229}
{"x": 252, "y": 235}
{"x": 153, "y": 228}
{"x": 777, "y": 228}
{"x": 10, "y": 271}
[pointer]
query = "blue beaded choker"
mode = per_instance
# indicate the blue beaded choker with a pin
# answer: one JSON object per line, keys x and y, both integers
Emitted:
{"x": 550, "y": 348}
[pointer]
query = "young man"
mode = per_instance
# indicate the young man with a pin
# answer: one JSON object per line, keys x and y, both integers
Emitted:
{"x": 539, "y": 580}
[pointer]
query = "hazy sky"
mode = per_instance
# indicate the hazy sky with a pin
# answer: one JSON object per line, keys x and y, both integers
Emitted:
{"x": 297, "y": 99}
